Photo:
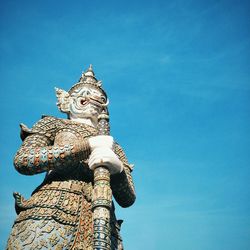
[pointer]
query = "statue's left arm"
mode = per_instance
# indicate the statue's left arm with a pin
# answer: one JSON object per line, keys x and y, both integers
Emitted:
{"x": 47, "y": 146}
{"x": 122, "y": 183}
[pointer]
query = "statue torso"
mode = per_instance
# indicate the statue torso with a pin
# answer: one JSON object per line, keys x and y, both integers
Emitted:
{"x": 60, "y": 208}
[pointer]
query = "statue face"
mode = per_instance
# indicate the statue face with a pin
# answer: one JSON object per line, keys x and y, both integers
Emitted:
{"x": 86, "y": 102}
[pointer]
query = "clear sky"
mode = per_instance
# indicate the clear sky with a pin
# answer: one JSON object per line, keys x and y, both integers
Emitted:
{"x": 177, "y": 75}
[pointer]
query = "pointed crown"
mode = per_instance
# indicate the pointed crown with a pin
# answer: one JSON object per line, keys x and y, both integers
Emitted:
{"x": 88, "y": 79}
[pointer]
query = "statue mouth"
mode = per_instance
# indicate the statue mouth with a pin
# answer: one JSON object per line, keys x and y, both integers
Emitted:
{"x": 84, "y": 102}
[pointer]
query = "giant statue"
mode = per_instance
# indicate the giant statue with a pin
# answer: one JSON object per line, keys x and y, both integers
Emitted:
{"x": 72, "y": 208}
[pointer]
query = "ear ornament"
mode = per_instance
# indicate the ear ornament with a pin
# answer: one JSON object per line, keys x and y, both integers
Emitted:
{"x": 63, "y": 100}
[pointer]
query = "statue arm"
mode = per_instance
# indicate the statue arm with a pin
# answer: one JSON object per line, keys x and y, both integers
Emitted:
{"x": 122, "y": 184}
{"x": 37, "y": 155}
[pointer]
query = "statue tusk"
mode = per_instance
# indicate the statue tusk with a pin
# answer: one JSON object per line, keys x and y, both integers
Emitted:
{"x": 106, "y": 104}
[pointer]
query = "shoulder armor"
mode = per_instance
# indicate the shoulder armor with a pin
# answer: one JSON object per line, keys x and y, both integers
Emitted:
{"x": 46, "y": 126}
{"x": 25, "y": 131}
{"x": 120, "y": 153}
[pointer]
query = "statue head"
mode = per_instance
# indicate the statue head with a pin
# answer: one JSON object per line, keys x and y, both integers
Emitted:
{"x": 85, "y": 100}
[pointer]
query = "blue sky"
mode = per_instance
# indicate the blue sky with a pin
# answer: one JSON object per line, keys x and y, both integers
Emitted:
{"x": 177, "y": 75}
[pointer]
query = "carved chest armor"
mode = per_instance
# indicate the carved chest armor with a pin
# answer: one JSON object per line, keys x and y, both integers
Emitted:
{"x": 61, "y": 206}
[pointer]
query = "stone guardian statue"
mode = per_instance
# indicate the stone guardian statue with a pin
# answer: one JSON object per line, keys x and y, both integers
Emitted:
{"x": 60, "y": 212}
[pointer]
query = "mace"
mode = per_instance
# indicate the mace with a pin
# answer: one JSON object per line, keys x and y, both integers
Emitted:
{"x": 102, "y": 197}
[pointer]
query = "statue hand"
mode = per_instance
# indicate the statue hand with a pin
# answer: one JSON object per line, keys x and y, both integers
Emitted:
{"x": 104, "y": 156}
{"x": 101, "y": 141}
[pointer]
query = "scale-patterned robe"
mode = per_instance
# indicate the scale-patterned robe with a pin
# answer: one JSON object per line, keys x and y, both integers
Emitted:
{"x": 58, "y": 215}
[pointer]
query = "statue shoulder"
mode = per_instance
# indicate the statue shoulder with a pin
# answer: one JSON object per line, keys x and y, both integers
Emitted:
{"x": 47, "y": 126}
{"x": 122, "y": 156}
{"x": 119, "y": 151}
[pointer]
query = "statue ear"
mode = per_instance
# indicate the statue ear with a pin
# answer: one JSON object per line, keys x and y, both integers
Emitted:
{"x": 63, "y": 98}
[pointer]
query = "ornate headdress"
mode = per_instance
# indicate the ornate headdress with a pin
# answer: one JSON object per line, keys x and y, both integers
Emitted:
{"x": 88, "y": 78}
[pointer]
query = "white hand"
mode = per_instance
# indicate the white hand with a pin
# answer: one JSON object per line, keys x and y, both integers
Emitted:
{"x": 104, "y": 156}
{"x": 101, "y": 141}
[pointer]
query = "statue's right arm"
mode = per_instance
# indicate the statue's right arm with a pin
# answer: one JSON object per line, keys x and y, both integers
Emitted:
{"x": 37, "y": 155}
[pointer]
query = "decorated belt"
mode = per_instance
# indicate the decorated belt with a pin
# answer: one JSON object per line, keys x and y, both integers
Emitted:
{"x": 78, "y": 187}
